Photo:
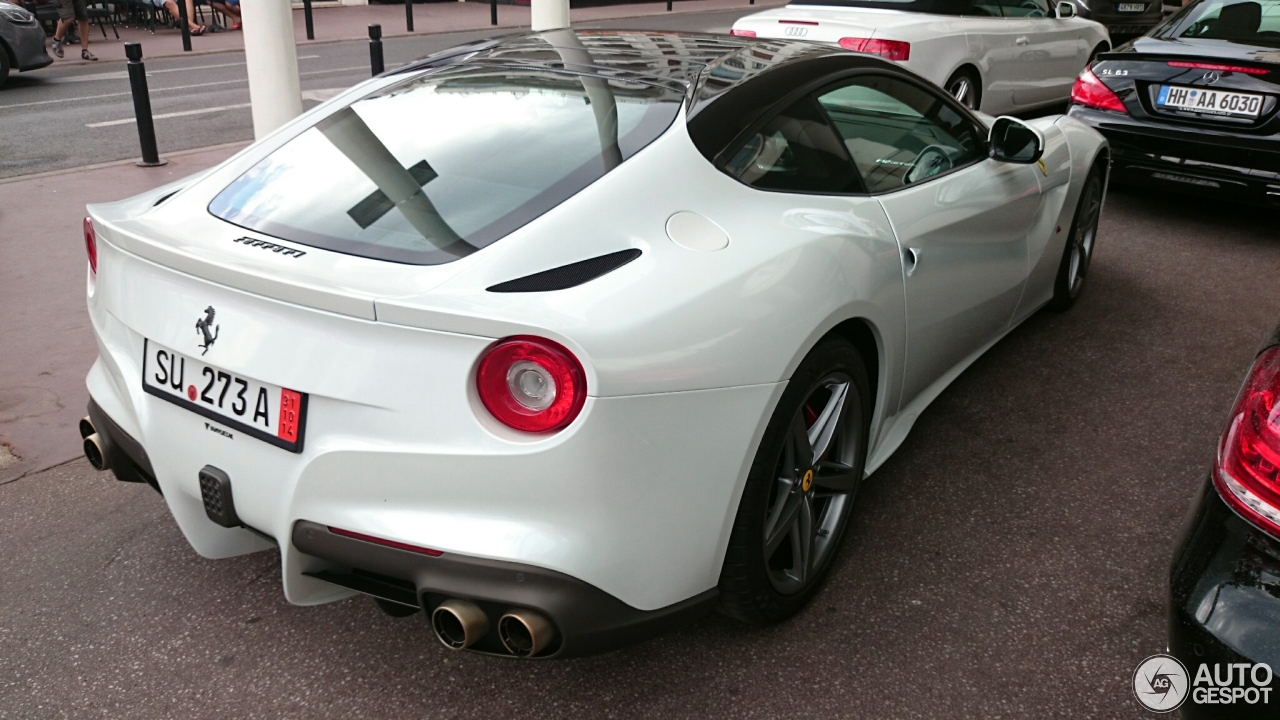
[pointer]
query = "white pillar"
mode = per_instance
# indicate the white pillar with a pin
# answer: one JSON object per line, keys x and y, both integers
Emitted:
{"x": 549, "y": 14}
{"x": 272, "y": 60}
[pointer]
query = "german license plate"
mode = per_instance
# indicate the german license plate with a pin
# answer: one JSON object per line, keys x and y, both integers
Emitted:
{"x": 1209, "y": 102}
{"x": 1130, "y": 7}
{"x": 267, "y": 412}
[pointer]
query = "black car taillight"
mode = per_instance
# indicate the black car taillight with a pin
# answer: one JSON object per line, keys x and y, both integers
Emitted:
{"x": 1247, "y": 474}
{"x": 1090, "y": 91}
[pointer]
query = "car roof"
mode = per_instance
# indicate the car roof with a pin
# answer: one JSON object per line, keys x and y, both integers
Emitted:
{"x": 727, "y": 81}
{"x": 681, "y": 59}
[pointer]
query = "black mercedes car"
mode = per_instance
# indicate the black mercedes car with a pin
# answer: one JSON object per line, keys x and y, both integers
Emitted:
{"x": 1192, "y": 105}
{"x": 1224, "y": 620}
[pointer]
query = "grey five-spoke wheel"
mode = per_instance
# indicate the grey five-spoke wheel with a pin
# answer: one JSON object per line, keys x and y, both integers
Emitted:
{"x": 814, "y": 484}
{"x": 800, "y": 489}
{"x": 1079, "y": 247}
{"x": 963, "y": 86}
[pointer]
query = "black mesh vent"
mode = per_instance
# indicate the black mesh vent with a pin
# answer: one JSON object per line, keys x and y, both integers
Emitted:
{"x": 567, "y": 276}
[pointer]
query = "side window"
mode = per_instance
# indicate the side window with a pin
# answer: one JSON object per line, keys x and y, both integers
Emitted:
{"x": 796, "y": 151}
{"x": 984, "y": 8}
{"x": 899, "y": 134}
{"x": 1025, "y": 8}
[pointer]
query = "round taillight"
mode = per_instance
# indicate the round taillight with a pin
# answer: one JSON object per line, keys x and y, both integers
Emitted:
{"x": 531, "y": 384}
{"x": 91, "y": 245}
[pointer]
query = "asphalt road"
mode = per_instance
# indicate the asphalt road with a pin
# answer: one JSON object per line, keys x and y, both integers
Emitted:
{"x": 65, "y": 117}
{"x": 1008, "y": 562}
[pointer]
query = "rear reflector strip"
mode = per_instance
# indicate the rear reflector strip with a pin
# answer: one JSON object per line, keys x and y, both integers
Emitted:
{"x": 385, "y": 543}
{"x": 1219, "y": 68}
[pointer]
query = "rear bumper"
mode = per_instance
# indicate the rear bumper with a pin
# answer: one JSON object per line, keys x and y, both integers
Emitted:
{"x": 1208, "y": 164}
{"x": 399, "y": 453}
{"x": 587, "y": 619}
{"x": 1225, "y": 606}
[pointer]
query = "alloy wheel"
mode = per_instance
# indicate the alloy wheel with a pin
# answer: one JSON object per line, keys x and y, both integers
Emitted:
{"x": 814, "y": 485}
{"x": 961, "y": 88}
{"x": 1085, "y": 232}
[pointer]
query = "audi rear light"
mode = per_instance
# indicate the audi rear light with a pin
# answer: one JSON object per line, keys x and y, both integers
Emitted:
{"x": 1218, "y": 67}
{"x": 1247, "y": 474}
{"x": 531, "y": 384}
{"x": 742, "y": 33}
{"x": 1088, "y": 90}
{"x": 888, "y": 49}
{"x": 91, "y": 245}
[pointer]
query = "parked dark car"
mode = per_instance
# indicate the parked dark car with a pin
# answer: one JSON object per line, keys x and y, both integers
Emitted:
{"x": 1192, "y": 106}
{"x": 1225, "y": 581}
{"x": 1122, "y": 17}
{"x": 21, "y": 41}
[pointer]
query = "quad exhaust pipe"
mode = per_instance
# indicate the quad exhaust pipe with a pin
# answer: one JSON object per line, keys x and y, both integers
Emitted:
{"x": 459, "y": 624}
{"x": 525, "y": 633}
{"x": 95, "y": 446}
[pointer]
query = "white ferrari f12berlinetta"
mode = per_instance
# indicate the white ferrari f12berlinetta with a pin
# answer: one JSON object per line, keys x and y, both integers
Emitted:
{"x": 567, "y": 337}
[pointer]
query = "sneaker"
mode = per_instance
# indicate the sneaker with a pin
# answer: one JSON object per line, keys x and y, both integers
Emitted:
{"x": 57, "y": 48}
{"x": 86, "y": 55}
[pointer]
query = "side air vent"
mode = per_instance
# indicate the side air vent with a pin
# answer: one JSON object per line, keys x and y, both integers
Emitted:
{"x": 164, "y": 197}
{"x": 567, "y": 276}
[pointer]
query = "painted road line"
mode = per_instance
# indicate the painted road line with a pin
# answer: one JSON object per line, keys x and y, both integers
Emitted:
{"x": 164, "y": 116}
{"x": 124, "y": 74}
{"x": 322, "y": 94}
{"x": 176, "y": 87}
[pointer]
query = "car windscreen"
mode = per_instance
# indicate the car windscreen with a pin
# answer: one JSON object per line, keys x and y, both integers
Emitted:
{"x": 1247, "y": 22}
{"x": 436, "y": 167}
{"x": 935, "y": 7}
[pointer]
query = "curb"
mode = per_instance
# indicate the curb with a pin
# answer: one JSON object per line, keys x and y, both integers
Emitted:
{"x": 113, "y": 163}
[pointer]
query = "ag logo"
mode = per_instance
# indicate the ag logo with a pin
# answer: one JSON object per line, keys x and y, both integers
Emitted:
{"x": 1160, "y": 683}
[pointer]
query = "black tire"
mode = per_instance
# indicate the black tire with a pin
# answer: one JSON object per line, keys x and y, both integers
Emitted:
{"x": 965, "y": 87}
{"x": 762, "y": 588}
{"x": 1078, "y": 250}
{"x": 1102, "y": 47}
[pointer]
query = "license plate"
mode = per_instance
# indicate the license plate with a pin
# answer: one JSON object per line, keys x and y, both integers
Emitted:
{"x": 1209, "y": 102}
{"x": 1130, "y": 7}
{"x": 267, "y": 412}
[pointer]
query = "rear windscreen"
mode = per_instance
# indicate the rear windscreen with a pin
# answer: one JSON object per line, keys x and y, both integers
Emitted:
{"x": 1246, "y": 22}
{"x": 434, "y": 168}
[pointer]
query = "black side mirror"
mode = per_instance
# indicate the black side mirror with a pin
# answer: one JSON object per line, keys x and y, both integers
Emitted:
{"x": 1013, "y": 142}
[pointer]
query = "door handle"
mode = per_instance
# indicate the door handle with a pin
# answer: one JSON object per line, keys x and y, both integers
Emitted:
{"x": 912, "y": 256}
{"x": 1021, "y": 41}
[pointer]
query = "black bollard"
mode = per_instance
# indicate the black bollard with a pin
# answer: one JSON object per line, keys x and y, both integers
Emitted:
{"x": 375, "y": 49}
{"x": 186, "y": 26}
{"x": 142, "y": 106}
{"x": 306, "y": 15}
{"x": 408, "y": 15}
{"x": 493, "y": 12}
{"x": 668, "y": 5}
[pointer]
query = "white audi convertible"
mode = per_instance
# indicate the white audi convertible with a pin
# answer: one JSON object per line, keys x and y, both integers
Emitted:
{"x": 997, "y": 56}
{"x": 566, "y": 338}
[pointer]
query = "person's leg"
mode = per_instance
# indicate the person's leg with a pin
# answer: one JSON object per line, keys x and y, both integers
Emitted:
{"x": 82, "y": 19}
{"x": 66, "y": 13}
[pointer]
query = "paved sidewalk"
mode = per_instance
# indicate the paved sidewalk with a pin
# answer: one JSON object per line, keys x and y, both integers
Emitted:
{"x": 48, "y": 344}
{"x": 350, "y": 23}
